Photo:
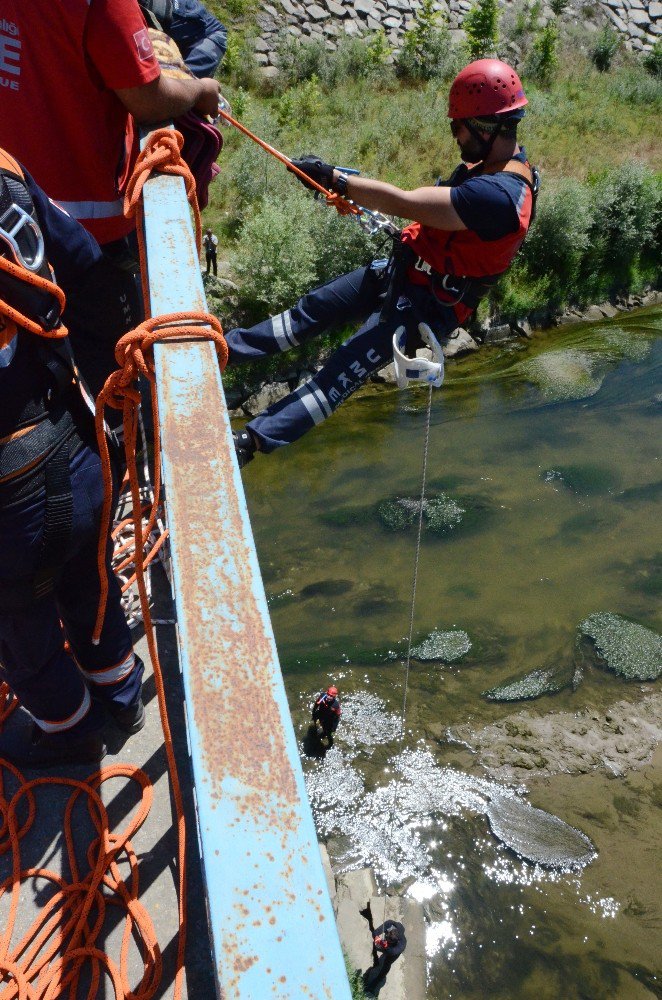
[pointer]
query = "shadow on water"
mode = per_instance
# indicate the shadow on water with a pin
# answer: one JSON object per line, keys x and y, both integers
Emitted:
{"x": 545, "y": 462}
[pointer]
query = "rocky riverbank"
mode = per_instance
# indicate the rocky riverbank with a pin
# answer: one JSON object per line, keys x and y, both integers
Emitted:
{"x": 251, "y": 397}
{"x": 639, "y": 22}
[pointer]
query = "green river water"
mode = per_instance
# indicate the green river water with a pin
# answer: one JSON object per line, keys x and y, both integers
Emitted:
{"x": 545, "y": 456}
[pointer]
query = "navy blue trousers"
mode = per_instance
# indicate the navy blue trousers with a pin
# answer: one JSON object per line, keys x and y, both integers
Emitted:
{"x": 357, "y": 296}
{"x": 52, "y": 682}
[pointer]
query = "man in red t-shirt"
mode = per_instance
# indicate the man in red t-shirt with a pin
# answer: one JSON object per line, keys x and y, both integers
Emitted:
{"x": 71, "y": 72}
{"x": 74, "y": 74}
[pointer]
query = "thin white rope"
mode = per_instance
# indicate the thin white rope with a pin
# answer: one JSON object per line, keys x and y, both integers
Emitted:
{"x": 403, "y": 713}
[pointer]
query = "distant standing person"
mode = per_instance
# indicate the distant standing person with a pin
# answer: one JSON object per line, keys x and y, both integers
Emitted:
{"x": 327, "y": 711}
{"x": 210, "y": 242}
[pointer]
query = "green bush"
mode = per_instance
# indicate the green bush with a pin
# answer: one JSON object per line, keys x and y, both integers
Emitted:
{"x": 588, "y": 241}
{"x": 653, "y": 59}
{"x": 559, "y": 6}
{"x": 426, "y": 51}
{"x": 291, "y": 244}
{"x": 300, "y": 104}
{"x": 239, "y": 64}
{"x": 606, "y": 46}
{"x": 520, "y": 18}
{"x": 299, "y": 60}
{"x": 623, "y": 231}
{"x": 558, "y": 240}
{"x": 544, "y": 59}
{"x": 357, "y": 59}
{"x": 274, "y": 255}
{"x": 481, "y": 25}
{"x": 636, "y": 87}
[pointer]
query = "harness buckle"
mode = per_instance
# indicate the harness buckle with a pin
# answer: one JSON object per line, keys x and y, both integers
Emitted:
{"x": 24, "y": 237}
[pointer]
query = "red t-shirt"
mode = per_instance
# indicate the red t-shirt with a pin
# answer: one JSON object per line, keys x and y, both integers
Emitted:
{"x": 60, "y": 63}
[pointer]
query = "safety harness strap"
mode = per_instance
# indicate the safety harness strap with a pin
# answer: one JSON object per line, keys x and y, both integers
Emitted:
{"x": 23, "y": 591}
{"x": 25, "y": 451}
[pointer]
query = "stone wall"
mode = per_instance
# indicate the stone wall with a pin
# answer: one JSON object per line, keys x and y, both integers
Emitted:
{"x": 639, "y": 21}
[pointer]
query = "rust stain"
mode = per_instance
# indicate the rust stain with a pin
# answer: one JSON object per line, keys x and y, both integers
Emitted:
{"x": 232, "y": 665}
{"x": 235, "y": 641}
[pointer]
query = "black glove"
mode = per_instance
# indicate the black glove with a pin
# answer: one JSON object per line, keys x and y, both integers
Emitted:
{"x": 316, "y": 169}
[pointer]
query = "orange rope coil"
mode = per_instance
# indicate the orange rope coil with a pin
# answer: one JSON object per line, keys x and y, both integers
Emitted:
{"x": 61, "y": 946}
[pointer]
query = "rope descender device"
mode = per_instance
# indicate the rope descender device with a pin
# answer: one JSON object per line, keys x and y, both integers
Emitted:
{"x": 408, "y": 369}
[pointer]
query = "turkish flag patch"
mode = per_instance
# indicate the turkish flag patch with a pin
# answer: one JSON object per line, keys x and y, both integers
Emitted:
{"x": 143, "y": 44}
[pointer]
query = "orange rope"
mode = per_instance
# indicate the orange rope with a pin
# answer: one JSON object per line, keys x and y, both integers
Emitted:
{"x": 61, "y": 945}
{"x": 55, "y": 952}
{"x": 162, "y": 152}
{"x": 22, "y": 274}
{"x": 341, "y": 205}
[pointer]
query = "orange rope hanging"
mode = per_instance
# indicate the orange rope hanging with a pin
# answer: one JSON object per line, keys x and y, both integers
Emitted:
{"x": 54, "y": 952}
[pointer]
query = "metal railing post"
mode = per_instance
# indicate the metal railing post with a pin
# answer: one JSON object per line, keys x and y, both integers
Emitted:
{"x": 272, "y": 926}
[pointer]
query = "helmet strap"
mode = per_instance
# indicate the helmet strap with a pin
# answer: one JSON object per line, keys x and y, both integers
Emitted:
{"x": 485, "y": 144}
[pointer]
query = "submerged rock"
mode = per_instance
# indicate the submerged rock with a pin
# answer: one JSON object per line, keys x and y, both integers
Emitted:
{"x": 626, "y": 648}
{"x": 440, "y": 513}
{"x": 534, "y": 684}
{"x": 588, "y": 479}
{"x": 563, "y": 374}
{"x": 537, "y": 835}
{"x": 445, "y": 647}
{"x": 648, "y": 493}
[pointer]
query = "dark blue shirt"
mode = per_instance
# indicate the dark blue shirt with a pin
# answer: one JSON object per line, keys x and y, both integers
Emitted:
{"x": 489, "y": 204}
{"x": 70, "y": 249}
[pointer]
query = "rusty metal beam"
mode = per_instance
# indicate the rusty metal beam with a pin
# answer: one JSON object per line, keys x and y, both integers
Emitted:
{"x": 272, "y": 928}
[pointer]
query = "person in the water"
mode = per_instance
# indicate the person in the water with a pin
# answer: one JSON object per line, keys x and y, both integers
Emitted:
{"x": 327, "y": 711}
{"x": 465, "y": 233}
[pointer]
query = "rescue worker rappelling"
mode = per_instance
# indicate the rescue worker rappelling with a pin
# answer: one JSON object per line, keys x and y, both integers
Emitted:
{"x": 465, "y": 233}
{"x": 326, "y": 712}
{"x": 51, "y": 493}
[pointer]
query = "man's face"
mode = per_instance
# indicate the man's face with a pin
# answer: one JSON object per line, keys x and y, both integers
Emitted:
{"x": 470, "y": 149}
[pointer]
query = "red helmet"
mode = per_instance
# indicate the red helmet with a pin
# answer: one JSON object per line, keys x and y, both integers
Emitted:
{"x": 332, "y": 691}
{"x": 485, "y": 87}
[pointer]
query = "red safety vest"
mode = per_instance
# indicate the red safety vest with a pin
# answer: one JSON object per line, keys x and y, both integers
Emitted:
{"x": 461, "y": 252}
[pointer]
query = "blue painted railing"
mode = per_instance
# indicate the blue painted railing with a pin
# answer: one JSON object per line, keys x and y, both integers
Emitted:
{"x": 272, "y": 928}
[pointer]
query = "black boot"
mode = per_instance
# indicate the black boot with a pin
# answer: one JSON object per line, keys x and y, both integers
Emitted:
{"x": 244, "y": 446}
{"x": 33, "y": 748}
{"x": 130, "y": 719}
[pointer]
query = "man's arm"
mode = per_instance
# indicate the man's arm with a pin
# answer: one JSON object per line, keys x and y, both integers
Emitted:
{"x": 200, "y": 36}
{"x": 429, "y": 205}
{"x": 166, "y": 97}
